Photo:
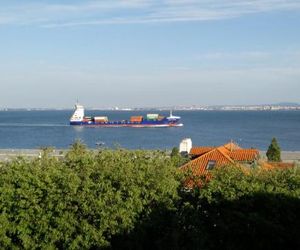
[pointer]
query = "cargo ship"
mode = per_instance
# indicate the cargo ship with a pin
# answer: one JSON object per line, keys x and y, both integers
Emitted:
{"x": 151, "y": 120}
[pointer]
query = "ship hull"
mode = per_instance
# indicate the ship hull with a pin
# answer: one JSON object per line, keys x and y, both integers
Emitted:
{"x": 127, "y": 124}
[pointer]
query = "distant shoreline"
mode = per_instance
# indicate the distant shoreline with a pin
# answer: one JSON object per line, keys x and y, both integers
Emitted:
{"x": 155, "y": 109}
{"x": 251, "y": 107}
{"x": 6, "y": 154}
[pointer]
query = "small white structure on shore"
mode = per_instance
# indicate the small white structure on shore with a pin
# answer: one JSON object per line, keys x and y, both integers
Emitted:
{"x": 185, "y": 145}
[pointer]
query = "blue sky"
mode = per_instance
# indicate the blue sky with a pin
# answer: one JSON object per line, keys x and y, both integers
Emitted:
{"x": 149, "y": 53}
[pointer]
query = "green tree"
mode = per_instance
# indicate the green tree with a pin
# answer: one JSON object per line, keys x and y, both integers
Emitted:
{"x": 177, "y": 158}
{"x": 83, "y": 199}
{"x": 175, "y": 152}
{"x": 274, "y": 151}
{"x": 121, "y": 199}
{"x": 240, "y": 209}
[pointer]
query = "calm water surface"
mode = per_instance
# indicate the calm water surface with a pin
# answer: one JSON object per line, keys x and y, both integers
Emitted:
{"x": 33, "y": 129}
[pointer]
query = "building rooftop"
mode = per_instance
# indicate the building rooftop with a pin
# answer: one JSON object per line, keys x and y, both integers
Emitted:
{"x": 207, "y": 158}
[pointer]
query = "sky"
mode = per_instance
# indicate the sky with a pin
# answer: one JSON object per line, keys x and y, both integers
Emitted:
{"x": 148, "y": 53}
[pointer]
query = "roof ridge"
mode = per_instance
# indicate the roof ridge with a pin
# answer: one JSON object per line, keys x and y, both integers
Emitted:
{"x": 232, "y": 145}
{"x": 244, "y": 150}
{"x": 227, "y": 156}
{"x": 203, "y": 148}
{"x": 198, "y": 158}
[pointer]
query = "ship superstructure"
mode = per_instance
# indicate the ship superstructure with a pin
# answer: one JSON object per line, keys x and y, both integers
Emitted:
{"x": 151, "y": 120}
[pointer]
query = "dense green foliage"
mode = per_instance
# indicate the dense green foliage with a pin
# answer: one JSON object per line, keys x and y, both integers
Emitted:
{"x": 274, "y": 151}
{"x": 135, "y": 200}
{"x": 237, "y": 210}
{"x": 81, "y": 201}
{"x": 175, "y": 152}
{"x": 177, "y": 158}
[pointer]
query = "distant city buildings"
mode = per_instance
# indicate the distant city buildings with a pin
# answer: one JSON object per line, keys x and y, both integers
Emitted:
{"x": 272, "y": 107}
{"x": 240, "y": 108}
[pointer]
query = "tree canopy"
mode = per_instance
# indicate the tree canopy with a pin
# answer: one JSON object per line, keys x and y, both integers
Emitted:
{"x": 274, "y": 151}
{"x": 124, "y": 199}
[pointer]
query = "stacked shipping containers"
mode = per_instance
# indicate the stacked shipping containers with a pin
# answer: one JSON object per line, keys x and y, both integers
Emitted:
{"x": 101, "y": 119}
{"x": 136, "y": 118}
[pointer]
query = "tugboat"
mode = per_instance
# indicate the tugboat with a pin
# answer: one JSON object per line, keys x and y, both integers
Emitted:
{"x": 150, "y": 121}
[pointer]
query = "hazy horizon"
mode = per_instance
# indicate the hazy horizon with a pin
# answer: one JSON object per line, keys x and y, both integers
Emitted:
{"x": 148, "y": 53}
{"x": 71, "y": 107}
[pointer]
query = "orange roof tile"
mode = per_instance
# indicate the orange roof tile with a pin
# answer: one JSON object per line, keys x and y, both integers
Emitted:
{"x": 232, "y": 146}
{"x": 227, "y": 154}
{"x": 244, "y": 154}
{"x": 198, "y": 165}
{"x": 200, "y": 150}
{"x": 224, "y": 150}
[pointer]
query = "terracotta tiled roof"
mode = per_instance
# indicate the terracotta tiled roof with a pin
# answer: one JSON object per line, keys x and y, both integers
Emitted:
{"x": 232, "y": 146}
{"x": 224, "y": 150}
{"x": 227, "y": 154}
{"x": 197, "y": 151}
{"x": 244, "y": 155}
{"x": 198, "y": 166}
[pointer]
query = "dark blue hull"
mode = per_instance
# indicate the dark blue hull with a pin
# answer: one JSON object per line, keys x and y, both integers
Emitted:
{"x": 144, "y": 123}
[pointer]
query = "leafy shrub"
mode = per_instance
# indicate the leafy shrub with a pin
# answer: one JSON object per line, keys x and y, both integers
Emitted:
{"x": 242, "y": 210}
{"x": 82, "y": 200}
{"x": 135, "y": 200}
